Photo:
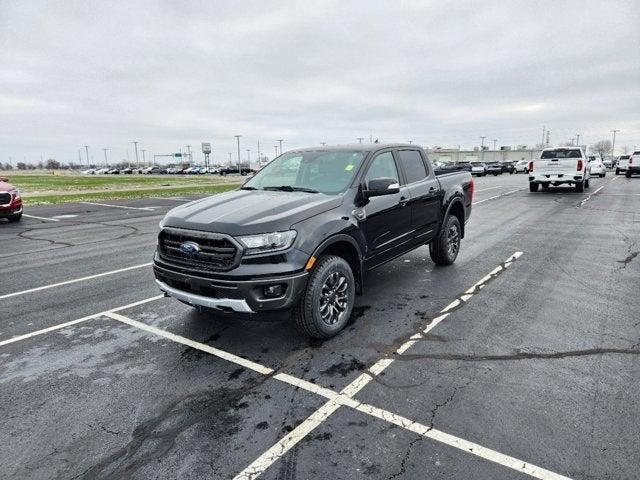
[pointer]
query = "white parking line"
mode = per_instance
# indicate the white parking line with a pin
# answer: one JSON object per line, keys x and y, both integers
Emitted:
{"x": 75, "y": 322}
{"x": 75, "y": 280}
{"x": 148, "y": 209}
{"x": 490, "y": 188}
{"x": 41, "y": 218}
{"x": 496, "y": 196}
{"x": 591, "y": 195}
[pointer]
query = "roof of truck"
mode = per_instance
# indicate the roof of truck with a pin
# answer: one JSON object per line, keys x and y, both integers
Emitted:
{"x": 359, "y": 147}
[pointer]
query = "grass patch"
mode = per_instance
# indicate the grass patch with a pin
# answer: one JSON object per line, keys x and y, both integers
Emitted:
{"x": 67, "y": 183}
{"x": 63, "y": 197}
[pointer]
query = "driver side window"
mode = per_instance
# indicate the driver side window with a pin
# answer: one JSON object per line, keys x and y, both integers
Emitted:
{"x": 383, "y": 166}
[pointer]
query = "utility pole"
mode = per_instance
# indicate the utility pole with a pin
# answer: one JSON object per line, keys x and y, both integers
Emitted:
{"x": 276, "y": 149}
{"x": 230, "y": 158}
{"x": 249, "y": 157}
{"x": 410, "y": 141}
{"x": 86, "y": 148}
{"x": 494, "y": 143}
{"x": 144, "y": 160}
{"x": 106, "y": 161}
{"x": 543, "y": 129}
{"x": 482, "y": 149}
{"x": 259, "y": 159}
{"x": 137, "y": 158}
{"x": 360, "y": 139}
{"x": 578, "y": 139}
{"x": 190, "y": 157}
{"x": 281, "y": 140}
{"x": 80, "y": 157}
{"x": 238, "y": 140}
{"x": 613, "y": 145}
{"x": 548, "y": 135}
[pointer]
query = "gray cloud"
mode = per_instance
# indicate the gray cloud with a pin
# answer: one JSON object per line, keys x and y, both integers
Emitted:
{"x": 170, "y": 74}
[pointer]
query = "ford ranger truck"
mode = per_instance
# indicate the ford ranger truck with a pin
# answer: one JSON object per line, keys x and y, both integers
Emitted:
{"x": 557, "y": 166}
{"x": 298, "y": 238}
{"x": 10, "y": 201}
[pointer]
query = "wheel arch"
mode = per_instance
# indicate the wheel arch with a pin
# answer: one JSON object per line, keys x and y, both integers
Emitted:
{"x": 346, "y": 247}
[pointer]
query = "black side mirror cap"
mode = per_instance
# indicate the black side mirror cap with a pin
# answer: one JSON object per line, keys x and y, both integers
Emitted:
{"x": 382, "y": 186}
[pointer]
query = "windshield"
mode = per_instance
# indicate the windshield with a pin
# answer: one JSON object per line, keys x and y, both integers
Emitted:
{"x": 562, "y": 153}
{"x": 316, "y": 171}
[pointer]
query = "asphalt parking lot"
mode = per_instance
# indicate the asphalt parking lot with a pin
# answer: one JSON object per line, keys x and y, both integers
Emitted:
{"x": 519, "y": 361}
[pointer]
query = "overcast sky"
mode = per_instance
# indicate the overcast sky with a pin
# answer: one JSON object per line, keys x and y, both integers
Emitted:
{"x": 169, "y": 74}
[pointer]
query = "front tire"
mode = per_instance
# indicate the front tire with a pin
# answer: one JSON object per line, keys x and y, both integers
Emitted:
{"x": 533, "y": 187}
{"x": 627, "y": 174}
{"x": 15, "y": 218}
{"x": 444, "y": 249}
{"x": 327, "y": 302}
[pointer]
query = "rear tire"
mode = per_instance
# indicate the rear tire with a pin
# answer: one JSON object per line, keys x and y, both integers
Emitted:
{"x": 627, "y": 174}
{"x": 327, "y": 302}
{"x": 533, "y": 187}
{"x": 617, "y": 172}
{"x": 580, "y": 187}
{"x": 445, "y": 248}
{"x": 587, "y": 183}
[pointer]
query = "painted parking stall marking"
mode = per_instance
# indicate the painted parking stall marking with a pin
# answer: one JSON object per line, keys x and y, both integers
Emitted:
{"x": 148, "y": 209}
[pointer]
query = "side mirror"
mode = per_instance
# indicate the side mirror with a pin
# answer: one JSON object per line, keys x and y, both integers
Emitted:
{"x": 382, "y": 186}
{"x": 4, "y": 179}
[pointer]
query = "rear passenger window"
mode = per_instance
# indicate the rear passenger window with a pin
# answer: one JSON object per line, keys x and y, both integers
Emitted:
{"x": 413, "y": 165}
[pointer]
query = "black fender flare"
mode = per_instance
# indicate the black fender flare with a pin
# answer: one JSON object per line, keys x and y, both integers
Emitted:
{"x": 452, "y": 202}
{"x": 342, "y": 237}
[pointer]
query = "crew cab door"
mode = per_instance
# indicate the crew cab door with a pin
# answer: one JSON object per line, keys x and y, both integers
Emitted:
{"x": 387, "y": 226}
{"x": 425, "y": 193}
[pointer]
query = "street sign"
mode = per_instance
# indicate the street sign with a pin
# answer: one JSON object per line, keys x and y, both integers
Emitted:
{"x": 206, "y": 147}
{"x": 177, "y": 155}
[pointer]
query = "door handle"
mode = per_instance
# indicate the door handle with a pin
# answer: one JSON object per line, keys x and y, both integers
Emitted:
{"x": 403, "y": 201}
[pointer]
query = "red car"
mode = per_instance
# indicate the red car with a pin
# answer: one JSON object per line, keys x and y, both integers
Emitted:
{"x": 10, "y": 201}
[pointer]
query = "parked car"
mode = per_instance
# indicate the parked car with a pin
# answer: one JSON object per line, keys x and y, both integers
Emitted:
{"x": 621, "y": 164}
{"x": 521, "y": 166}
{"x": 633, "y": 165}
{"x": 102, "y": 171}
{"x": 153, "y": 170}
{"x": 10, "y": 201}
{"x": 299, "y": 236}
{"x": 127, "y": 171}
{"x": 454, "y": 167}
{"x": 90, "y": 171}
{"x": 114, "y": 171}
{"x": 608, "y": 162}
{"x": 596, "y": 167}
{"x": 557, "y": 166}
{"x": 508, "y": 167}
{"x": 494, "y": 168}
{"x": 478, "y": 168}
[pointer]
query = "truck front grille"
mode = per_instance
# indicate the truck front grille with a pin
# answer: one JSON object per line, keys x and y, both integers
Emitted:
{"x": 214, "y": 252}
{"x": 5, "y": 198}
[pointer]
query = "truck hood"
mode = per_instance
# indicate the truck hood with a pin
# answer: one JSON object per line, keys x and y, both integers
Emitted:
{"x": 6, "y": 187}
{"x": 246, "y": 212}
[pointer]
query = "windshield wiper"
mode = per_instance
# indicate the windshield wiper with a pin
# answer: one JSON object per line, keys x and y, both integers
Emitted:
{"x": 289, "y": 188}
{"x": 248, "y": 188}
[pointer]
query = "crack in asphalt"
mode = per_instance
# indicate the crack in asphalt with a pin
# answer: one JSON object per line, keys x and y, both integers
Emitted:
{"x": 517, "y": 356}
{"x": 403, "y": 463}
{"x": 632, "y": 254}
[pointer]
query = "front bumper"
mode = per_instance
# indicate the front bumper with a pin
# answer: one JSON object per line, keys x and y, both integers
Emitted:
{"x": 10, "y": 211}
{"x": 242, "y": 296}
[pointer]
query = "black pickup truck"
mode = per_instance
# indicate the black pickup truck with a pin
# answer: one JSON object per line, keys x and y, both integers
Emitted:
{"x": 301, "y": 234}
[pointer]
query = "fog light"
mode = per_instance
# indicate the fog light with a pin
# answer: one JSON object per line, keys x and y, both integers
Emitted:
{"x": 273, "y": 290}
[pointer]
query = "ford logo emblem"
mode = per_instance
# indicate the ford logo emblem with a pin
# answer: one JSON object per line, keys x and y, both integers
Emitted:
{"x": 189, "y": 248}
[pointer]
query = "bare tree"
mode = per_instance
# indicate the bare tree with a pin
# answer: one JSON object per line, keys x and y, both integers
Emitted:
{"x": 625, "y": 150}
{"x": 602, "y": 148}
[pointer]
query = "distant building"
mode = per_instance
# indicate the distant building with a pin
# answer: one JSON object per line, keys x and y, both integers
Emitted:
{"x": 504, "y": 154}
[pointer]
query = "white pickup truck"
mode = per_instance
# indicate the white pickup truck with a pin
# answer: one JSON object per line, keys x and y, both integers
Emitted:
{"x": 557, "y": 166}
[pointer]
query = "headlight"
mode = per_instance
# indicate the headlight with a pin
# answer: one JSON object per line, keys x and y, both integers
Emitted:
{"x": 268, "y": 242}
{"x": 16, "y": 193}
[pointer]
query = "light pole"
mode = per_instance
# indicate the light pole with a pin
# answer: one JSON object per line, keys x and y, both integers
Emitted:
{"x": 230, "y": 158}
{"x": 80, "y": 157}
{"x": 190, "y": 157}
{"x": 281, "y": 140}
{"x": 482, "y": 149}
{"x": 613, "y": 145}
{"x": 137, "y": 158}
{"x": 578, "y": 139}
{"x": 86, "y": 148}
{"x": 324, "y": 143}
{"x": 410, "y": 141}
{"x": 144, "y": 160}
{"x": 249, "y": 156}
{"x": 360, "y": 139}
{"x": 106, "y": 162}
{"x": 238, "y": 140}
{"x": 275, "y": 147}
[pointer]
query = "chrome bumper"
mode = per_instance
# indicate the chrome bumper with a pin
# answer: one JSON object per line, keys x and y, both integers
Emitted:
{"x": 236, "y": 305}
